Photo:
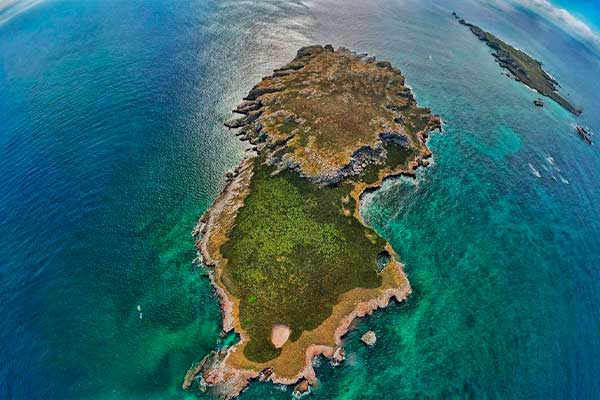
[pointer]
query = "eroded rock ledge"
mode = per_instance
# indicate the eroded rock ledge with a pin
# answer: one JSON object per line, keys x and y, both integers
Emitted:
{"x": 284, "y": 243}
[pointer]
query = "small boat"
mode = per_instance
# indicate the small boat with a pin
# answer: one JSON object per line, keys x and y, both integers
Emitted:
{"x": 584, "y": 133}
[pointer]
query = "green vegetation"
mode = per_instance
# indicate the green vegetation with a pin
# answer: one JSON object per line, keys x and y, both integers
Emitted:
{"x": 292, "y": 253}
{"x": 397, "y": 156}
{"x": 288, "y": 126}
{"x": 284, "y": 238}
{"x": 336, "y": 103}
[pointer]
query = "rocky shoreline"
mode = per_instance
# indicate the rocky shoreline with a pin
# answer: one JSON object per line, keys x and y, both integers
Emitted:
{"x": 212, "y": 372}
{"x": 216, "y": 373}
{"x": 521, "y": 66}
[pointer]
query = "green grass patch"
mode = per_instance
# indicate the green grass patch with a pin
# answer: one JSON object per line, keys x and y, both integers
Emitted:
{"x": 287, "y": 126}
{"x": 397, "y": 156}
{"x": 292, "y": 253}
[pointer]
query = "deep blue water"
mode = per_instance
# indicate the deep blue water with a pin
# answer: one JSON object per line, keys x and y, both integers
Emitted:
{"x": 111, "y": 146}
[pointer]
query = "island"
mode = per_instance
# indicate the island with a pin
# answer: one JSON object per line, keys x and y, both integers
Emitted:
{"x": 287, "y": 251}
{"x": 521, "y": 66}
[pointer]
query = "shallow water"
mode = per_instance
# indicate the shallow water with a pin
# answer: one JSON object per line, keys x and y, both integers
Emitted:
{"x": 111, "y": 146}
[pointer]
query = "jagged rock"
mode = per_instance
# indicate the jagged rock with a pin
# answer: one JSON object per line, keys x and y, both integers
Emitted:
{"x": 367, "y": 59}
{"x": 258, "y": 91}
{"x": 265, "y": 374}
{"x": 369, "y": 338}
{"x": 309, "y": 50}
{"x": 253, "y": 115}
{"x": 301, "y": 388}
{"x": 384, "y": 64}
{"x": 397, "y": 107}
{"x": 361, "y": 158}
{"x": 406, "y": 93}
{"x": 282, "y": 72}
{"x": 191, "y": 374}
{"x": 584, "y": 134}
{"x": 235, "y": 123}
{"x": 247, "y": 106}
{"x": 338, "y": 356}
{"x": 394, "y": 138}
{"x": 290, "y": 67}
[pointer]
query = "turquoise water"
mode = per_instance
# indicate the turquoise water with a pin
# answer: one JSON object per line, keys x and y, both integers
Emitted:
{"x": 111, "y": 146}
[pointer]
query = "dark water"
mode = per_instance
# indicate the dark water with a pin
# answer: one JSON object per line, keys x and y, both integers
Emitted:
{"x": 111, "y": 146}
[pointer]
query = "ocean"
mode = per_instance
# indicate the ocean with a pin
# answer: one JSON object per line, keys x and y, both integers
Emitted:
{"x": 112, "y": 146}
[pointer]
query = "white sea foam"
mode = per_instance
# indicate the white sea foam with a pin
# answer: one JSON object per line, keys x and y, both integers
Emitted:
{"x": 534, "y": 171}
{"x": 563, "y": 179}
{"x": 282, "y": 388}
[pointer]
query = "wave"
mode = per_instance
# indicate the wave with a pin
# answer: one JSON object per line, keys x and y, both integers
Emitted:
{"x": 563, "y": 179}
{"x": 535, "y": 171}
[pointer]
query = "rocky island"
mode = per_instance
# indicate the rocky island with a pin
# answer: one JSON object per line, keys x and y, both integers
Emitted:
{"x": 521, "y": 66}
{"x": 286, "y": 249}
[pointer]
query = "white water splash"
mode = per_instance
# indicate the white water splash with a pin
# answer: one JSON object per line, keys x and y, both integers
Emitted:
{"x": 534, "y": 171}
{"x": 563, "y": 179}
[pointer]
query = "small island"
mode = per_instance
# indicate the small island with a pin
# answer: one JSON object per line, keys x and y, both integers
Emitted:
{"x": 583, "y": 133}
{"x": 286, "y": 249}
{"x": 521, "y": 66}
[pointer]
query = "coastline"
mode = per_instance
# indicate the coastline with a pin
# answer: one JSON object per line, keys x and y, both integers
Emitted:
{"x": 229, "y": 200}
{"x": 226, "y": 373}
{"x": 236, "y": 378}
{"x": 422, "y": 160}
{"x": 207, "y": 223}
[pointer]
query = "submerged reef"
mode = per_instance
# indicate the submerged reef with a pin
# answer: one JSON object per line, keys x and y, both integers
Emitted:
{"x": 286, "y": 249}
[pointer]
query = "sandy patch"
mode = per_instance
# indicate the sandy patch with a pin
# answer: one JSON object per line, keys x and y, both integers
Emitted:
{"x": 280, "y": 335}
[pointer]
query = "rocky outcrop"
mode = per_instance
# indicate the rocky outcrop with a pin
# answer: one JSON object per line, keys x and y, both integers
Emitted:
{"x": 339, "y": 355}
{"x": 269, "y": 126}
{"x": 213, "y": 377}
{"x": 584, "y": 134}
{"x": 301, "y": 388}
{"x": 369, "y": 338}
{"x": 258, "y": 91}
{"x": 247, "y": 106}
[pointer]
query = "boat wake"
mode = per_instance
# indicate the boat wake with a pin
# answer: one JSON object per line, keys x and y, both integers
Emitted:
{"x": 534, "y": 171}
